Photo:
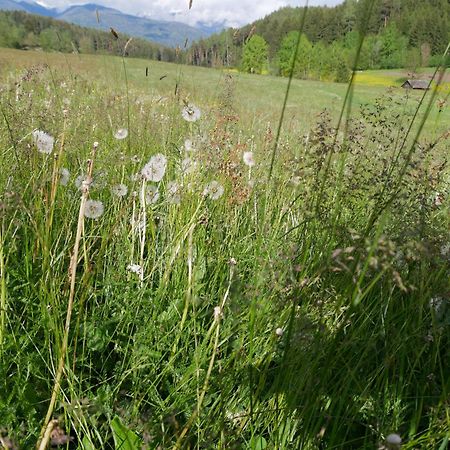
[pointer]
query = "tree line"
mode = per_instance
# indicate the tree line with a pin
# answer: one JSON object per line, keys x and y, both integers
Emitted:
{"x": 21, "y": 30}
{"x": 397, "y": 34}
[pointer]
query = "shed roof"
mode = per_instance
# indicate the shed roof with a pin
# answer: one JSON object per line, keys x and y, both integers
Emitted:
{"x": 416, "y": 84}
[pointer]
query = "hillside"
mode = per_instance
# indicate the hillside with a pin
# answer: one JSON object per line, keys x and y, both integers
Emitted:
{"x": 21, "y": 30}
{"x": 398, "y": 33}
{"x": 100, "y": 17}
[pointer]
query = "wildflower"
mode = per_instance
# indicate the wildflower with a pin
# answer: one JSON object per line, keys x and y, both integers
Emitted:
{"x": 93, "y": 209}
{"x": 393, "y": 441}
{"x": 121, "y": 133}
{"x": 191, "y": 113}
{"x": 188, "y": 166}
{"x": 64, "y": 176}
{"x": 151, "y": 195}
{"x": 134, "y": 268}
{"x": 188, "y": 145}
{"x": 173, "y": 192}
{"x": 248, "y": 159}
{"x": 44, "y": 142}
{"x": 218, "y": 313}
{"x": 279, "y": 332}
{"x": 213, "y": 190}
{"x": 135, "y": 177}
{"x": 155, "y": 169}
{"x": 83, "y": 181}
{"x": 119, "y": 190}
{"x": 445, "y": 250}
{"x": 135, "y": 159}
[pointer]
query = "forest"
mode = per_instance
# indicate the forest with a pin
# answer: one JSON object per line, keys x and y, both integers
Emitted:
{"x": 398, "y": 34}
{"x": 32, "y": 32}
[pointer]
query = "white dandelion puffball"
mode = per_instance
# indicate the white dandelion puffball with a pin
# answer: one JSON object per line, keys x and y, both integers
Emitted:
{"x": 279, "y": 332}
{"x": 121, "y": 133}
{"x": 119, "y": 190}
{"x": 191, "y": 113}
{"x": 151, "y": 195}
{"x": 173, "y": 192}
{"x": 134, "y": 268}
{"x": 64, "y": 176}
{"x": 93, "y": 209}
{"x": 44, "y": 142}
{"x": 188, "y": 166}
{"x": 213, "y": 190}
{"x": 393, "y": 441}
{"x": 188, "y": 145}
{"x": 83, "y": 181}
{"x": 248, "y": 159}
{"x": 155, "y": 169}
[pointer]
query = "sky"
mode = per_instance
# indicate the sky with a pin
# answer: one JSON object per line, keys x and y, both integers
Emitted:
{"x": 233, "y": 13}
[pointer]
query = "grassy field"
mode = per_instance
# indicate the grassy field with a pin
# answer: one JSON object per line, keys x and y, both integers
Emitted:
{"x": 174, "y": 275}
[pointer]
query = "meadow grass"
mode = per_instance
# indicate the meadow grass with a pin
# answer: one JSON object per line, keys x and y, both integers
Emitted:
{"x": 229, "y": 309}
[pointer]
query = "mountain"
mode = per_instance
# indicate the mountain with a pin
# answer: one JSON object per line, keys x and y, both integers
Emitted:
{"x": 101, "y": 17}
{"x": 95, "y": 16}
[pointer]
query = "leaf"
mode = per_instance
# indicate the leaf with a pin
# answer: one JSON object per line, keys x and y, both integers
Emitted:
{"x": 86, "y": 445}
{"x": 124, "y": 439}
{"x": 258, "y": 443}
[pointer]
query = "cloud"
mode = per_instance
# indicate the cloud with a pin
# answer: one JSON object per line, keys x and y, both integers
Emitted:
{"x": 230, "y": 12}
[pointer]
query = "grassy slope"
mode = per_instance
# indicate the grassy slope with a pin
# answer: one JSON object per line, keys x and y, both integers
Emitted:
{"x": 258, "y": 96}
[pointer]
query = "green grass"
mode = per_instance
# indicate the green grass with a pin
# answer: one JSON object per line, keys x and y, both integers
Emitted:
{"x": 307, "y": 310}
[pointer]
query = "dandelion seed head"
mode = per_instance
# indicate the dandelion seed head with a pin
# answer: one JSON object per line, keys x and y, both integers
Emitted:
{"x": 134, "y": 268}
{"x": 173, "y": 192}
{"x": 155, "y": 169}
{"x": 191, "y": 113}
{"x": 119, "y": 190}
{"x": 248, "y": 159}
{"x": 151, "y": 195}
{"x": 93, "y": 209}
{"x": 64, "y": 176}
{"x": 213, "y": 190}
{"x": 188, "y": 166}
{"x": 218, "y": 313}
{"x": 393, "y": 441}
{"x": 279, "y": 332}
{"x": 188, "y": 145}
{"x": 44, "y": 142}
{"x": 121, "y": 133}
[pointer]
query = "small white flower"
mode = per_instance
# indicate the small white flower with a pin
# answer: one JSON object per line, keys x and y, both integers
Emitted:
{"x": 151, "y": 195}
{"x": 188, "y": 166}
{"x": 83, "y": 181}
{"x": 121, "y": 133}
{"x": 393, "y": 441}
{"x": 134, "y": 268}
{"x": 95, "y": 144}
{"x": 445, "y": 250}
{"x": 188, "y": 145}
{"x": 218, "y": 313}
{"x": 214, "y": 190}
{"x": 155, "y": 169}
{"x": 173, "y": 192}
{"x": 44, "y": 142}
{"x": 93, "y": 209}
{"x": 279, "y": 332}
{"x": 191, "y": 113}
{"x": 248, "y": 159}
{"x": 64, "y": 176}
{"x": 135, "y": 159}
{"x": 119, "y": 190}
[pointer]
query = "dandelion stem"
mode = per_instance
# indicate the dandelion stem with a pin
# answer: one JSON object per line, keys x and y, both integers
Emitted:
{"x": 44, "y": 436}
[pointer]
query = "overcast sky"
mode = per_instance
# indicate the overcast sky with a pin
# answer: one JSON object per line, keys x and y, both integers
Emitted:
{"x": 233, "y": 12}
